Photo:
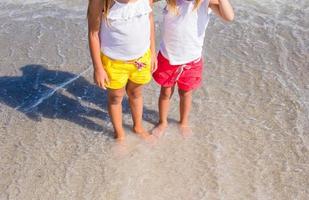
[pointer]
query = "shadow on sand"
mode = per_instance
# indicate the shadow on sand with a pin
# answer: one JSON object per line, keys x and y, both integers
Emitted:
{"x": 33, "y": 93}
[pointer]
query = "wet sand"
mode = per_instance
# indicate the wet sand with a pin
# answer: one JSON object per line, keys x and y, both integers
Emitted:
{"x": 250, "y": 118}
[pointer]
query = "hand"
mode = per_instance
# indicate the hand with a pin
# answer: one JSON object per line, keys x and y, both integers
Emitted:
{"x": 154, "y": 63}
{"x": 100, "y": 77}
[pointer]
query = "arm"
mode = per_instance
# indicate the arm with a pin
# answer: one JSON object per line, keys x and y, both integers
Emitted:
{"x": 95, "y": 8}
{"x": 152, "y": 40}
{"x": 222, "y": 8}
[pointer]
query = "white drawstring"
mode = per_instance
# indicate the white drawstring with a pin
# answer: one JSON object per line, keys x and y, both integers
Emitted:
{"x": 181, "y": 68}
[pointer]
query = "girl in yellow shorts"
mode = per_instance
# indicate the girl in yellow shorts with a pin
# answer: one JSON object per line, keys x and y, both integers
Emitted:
{"x": 122, "y": 48}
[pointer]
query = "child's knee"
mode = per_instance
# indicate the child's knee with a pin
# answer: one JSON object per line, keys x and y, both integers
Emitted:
{"x": 134, "y": 94}
{"x": 166, "y": 93}
{"x": 184, "y": 94}
{"x": 115, "y": 97}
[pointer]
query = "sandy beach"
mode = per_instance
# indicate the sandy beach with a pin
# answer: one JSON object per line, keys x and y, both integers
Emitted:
{"x": 250, "y": 118}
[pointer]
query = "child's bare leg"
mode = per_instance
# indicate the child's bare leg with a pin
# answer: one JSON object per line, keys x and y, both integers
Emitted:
{"x": 134, "y": 92}
{"x": 184, "y": 108}
{"x": 115, "y": 111}
{"x": 164, "y": 103}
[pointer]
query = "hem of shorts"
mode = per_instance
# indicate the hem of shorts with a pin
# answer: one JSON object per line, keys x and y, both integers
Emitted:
{"x": 190, "y": 89}
{"x": 115, "y": 88}
{"x": 144, "y": 83}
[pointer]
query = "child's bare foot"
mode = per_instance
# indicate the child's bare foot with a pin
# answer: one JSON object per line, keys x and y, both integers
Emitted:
{"x": 120, "y": 147}
{"x": 142, "y": 133}
{"x": 159, "y": 130}
{"x": 185, "y": 130}
{"x": 120, "y": 140}
{"x": 120, "y": 136}
{"x": 120, "y": 150}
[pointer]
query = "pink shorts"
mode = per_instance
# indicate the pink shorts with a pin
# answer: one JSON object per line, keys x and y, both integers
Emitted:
{"x": 187, "y": 76}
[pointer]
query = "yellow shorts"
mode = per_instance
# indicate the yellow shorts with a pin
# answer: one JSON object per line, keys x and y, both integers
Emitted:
{"x": 119, "y": 72}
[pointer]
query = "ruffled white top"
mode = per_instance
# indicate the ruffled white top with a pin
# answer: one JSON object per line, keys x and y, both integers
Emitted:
{"x": 126, "y": 33}
{"x": 183, "y": 34}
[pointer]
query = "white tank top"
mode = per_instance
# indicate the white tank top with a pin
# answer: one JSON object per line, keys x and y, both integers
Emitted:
{"x": 126, "y": 34}
{"x": 183, "y": 34}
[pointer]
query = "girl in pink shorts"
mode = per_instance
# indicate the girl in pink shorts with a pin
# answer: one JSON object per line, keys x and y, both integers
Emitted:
{"x": 179, "y": 58}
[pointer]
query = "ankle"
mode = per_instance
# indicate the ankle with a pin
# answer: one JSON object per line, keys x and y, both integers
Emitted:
{"x": 184, "y": 123}
{"x": 120, "y": 135}
{"x": 138, "y": 128}
{"x": 163, "y": 122}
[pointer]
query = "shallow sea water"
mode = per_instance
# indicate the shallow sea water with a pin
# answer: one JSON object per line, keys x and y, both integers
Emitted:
{"x": 250, "y": 118}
